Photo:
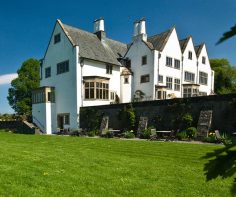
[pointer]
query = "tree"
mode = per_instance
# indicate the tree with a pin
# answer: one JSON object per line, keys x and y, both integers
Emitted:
{"x": 225, "y": 76}
{"x": 19, "y": 94}
{"x": 227, "y": 35}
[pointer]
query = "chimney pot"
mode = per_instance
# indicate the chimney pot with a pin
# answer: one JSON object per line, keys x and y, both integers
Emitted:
{"x": 99, "y": 25}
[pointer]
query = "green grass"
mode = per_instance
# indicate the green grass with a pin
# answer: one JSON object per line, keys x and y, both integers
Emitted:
{"x": 72, "y": 166}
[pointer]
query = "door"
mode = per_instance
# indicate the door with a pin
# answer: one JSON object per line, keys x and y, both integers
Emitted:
{"x": 60, "y": 121}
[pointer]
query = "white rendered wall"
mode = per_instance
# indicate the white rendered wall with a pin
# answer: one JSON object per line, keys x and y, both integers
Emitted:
{"x": 207, "y": 69}
{"x": 125, "y": 89}
{"x": 95, "y": 68}
{"x": 171, "y": 49}
{"x": 65, "y": 83}
{"x": 135, "y": 53}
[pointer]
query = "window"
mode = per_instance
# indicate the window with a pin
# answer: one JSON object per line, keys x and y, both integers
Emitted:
{"x": 190, "y": 55}
{"x": 203, "y": 78}
{"x": 169, "y": 83}
{"x": 195, "y": 92}
{"x": 177, "y": 85}
{"x": 63, "y": 67}
{"x": 112, "y": 96}
{"x": 144, "y": 79}
{"x": 189, "y": 76}
{"x": 144, "y": 60}
{"x": 177, "y": 64}
{"x": 190, "y": 91}
{"x": 67, "y": 119}
{"x": 89, "y": 90}
{"x": 160, "y": 78}
{"x": 96, "y": 89}
{"x": 109, "y": 69}
{"x": 161, "y": 94}
{"x": 51, "y": 97}
{"x": 57, "y": 38}
{"x": 169, "y": 61}
{"x": 47, "y": 72}
{"x": 203, "y": 60}
{"x": 187, "y": 92}
{"x": 126, "y": 79}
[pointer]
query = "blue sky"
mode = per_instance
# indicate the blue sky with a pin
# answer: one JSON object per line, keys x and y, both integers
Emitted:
{"x": 26, "y": 26}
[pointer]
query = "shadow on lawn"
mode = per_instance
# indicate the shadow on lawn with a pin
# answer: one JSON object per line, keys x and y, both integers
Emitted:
{"x": 222, "y": 163}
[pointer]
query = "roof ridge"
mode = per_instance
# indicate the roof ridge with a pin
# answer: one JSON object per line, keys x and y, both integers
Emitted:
{"x": 170, "y": 29}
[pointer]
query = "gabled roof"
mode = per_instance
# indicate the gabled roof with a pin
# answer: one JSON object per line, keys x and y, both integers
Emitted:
{"x": 183, "y": 43}
{"x": 159, "y": 41}
{"x": 198, "y": 49}
{"x": 91, "y": 47}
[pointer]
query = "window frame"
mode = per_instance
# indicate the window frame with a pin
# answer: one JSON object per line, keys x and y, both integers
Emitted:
{"x": 97, "y": 89}
{"x": 203, "y": 60}
{"x": 109, "y": 69}
{"x": 190, "y": 55}
{"x": 144, "y": 60}
{"x": 176, "y": 85}
{"x": 57, "y": 38}
{"x": 160, "y": 78}
{"x": 169, "y": 61}
{"x": 47, "y": 72}
{"x": 169, "y": 83}
{"x": 63, "y": 67}
{"x": 191, "y": 74}
{"x": 203, "y": 80}
{"x": 145, "y": 78}
{"x": 126, "y": 80}
{"x": 177, "y": 67}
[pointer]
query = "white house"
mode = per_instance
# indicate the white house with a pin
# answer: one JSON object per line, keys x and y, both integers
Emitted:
{"x": 86, "y": 69}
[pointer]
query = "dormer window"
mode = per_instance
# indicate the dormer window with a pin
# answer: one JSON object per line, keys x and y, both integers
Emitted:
{"x": 57, "y": 38}
{"x": 204, "y": 60}
{"x": 190, "y": 55}
{"x": 144, "y": 60}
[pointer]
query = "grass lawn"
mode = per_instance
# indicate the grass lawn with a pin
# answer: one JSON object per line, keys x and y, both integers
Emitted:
{"x": 71, "y": 166}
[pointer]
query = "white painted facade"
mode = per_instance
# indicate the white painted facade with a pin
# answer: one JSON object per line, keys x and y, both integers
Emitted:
{"x": 147, "y": 62}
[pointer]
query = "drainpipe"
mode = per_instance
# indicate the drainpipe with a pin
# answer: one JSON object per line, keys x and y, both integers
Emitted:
{"x": 197, "y": 74}
{"x": 181, "y": 74}
{"x": 158, "y": 63}
{"x": 81, "y": 78}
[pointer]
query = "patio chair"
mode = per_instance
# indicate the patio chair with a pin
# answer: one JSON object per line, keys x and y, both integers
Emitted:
{"x": 218, "y": 136}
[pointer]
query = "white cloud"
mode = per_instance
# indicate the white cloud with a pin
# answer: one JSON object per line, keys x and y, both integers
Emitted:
{"x": 6, "y": 79}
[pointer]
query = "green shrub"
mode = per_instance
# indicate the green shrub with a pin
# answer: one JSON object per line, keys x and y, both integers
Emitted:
{"x": 182, "y": 135}
{"x": 92, "y": 133}
{"x": 186, "y": 121}
{"x": 75, "y": 133}
{"x": 210, "y": 139}
{"x": 127, "y": 117}
{"x": 146, "y": 133}
{"x": 109, "y": 134}
{"x": 191, "y": 132}
{"x": 129, "y": 134}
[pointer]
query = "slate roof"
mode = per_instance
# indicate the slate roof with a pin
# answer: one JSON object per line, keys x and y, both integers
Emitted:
{"x": 198, "y": 49}
{"x": 183, "y": 43}
{"x": 91, "y": 47}
{"x": 159, "y": 41}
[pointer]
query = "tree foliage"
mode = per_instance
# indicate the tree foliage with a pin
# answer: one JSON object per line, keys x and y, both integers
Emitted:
{"x": 225, "y": 76}
{"x": 227, "y": 35}
{"x": 19, "y": 94}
